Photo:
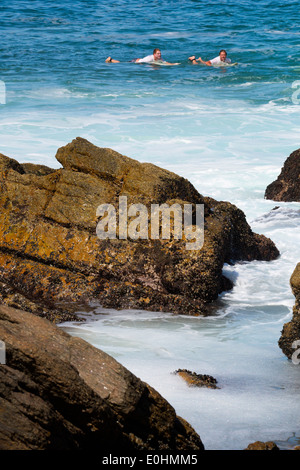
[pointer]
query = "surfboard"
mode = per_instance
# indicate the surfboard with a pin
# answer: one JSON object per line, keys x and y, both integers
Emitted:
{"x": 160, "y": 62}
{"x": 225, "y": 64}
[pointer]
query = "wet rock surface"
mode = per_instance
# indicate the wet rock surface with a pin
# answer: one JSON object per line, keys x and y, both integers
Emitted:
{"x": 287, "y": 186}
{"x": 58, "y": 392}
{"x": 289, "y": 341}
{"x": 50, "y": 252}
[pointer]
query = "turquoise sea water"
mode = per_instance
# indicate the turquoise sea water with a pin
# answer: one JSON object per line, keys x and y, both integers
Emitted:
{"x": 228, "y": 130}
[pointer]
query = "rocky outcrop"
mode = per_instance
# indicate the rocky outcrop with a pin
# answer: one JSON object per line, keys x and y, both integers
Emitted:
{"x": 289, "y": 341}
{"x": 287, "y": 185}
{"x": 58, "y": 392}
{"x": 51, "y": 256}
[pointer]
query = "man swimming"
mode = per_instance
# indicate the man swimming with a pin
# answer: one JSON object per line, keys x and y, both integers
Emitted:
{"x": 220, "y": 59}
{"x": 155, "y": 57}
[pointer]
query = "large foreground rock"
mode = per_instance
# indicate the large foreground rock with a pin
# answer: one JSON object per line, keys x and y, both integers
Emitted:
{"x": 291, "y": 330}
{"x": 50, "y": 253}
{"x": 60, "y": 393}
{"x": 287, "y": 186}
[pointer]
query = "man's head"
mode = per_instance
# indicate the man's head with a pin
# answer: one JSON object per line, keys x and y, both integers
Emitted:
{"x": 157, "y": 54}
{"x": 223, "y": 55}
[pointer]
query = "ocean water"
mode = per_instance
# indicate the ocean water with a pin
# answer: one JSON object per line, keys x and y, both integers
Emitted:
{"x": 228, "y": 130}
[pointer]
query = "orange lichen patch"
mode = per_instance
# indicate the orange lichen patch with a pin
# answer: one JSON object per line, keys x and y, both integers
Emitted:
{"x": 145, "y": 300}
{"x": 44, "y": 281}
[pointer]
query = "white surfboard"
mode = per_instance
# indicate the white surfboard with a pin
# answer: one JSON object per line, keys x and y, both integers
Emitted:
{"x": 161, "y": 62}
{"x": 224, "y": 64}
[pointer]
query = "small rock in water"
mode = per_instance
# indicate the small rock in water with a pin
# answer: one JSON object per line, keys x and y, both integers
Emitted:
{"x": 197, "y": 380}
{"x": 258, "y": 445}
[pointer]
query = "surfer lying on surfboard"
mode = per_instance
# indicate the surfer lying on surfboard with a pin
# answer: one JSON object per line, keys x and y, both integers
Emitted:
{"x": 153, "y": 58}
{"x": 221, "y": 59}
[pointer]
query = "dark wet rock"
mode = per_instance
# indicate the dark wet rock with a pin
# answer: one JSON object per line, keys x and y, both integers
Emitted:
{"x": 289, "y": 341}
{"x": 258, "y": 445}
{"x": 197, "y": 380}
{"x": 287, "y": 186}
{"x": 53, "y": 312}
{"x": 58, "y": 392}
{"x": 50, "y": 252}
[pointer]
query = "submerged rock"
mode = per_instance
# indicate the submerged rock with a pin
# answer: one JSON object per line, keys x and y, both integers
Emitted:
{"x": 287, "y": 186}
{"x": 58, "y": 392}
{"x": 197, "y": 380}
{"x": 50, "y": 252}
{"x": 289, "y": 341}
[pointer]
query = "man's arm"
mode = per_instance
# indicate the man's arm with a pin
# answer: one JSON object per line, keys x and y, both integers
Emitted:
{"x": 208, "y": 62}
